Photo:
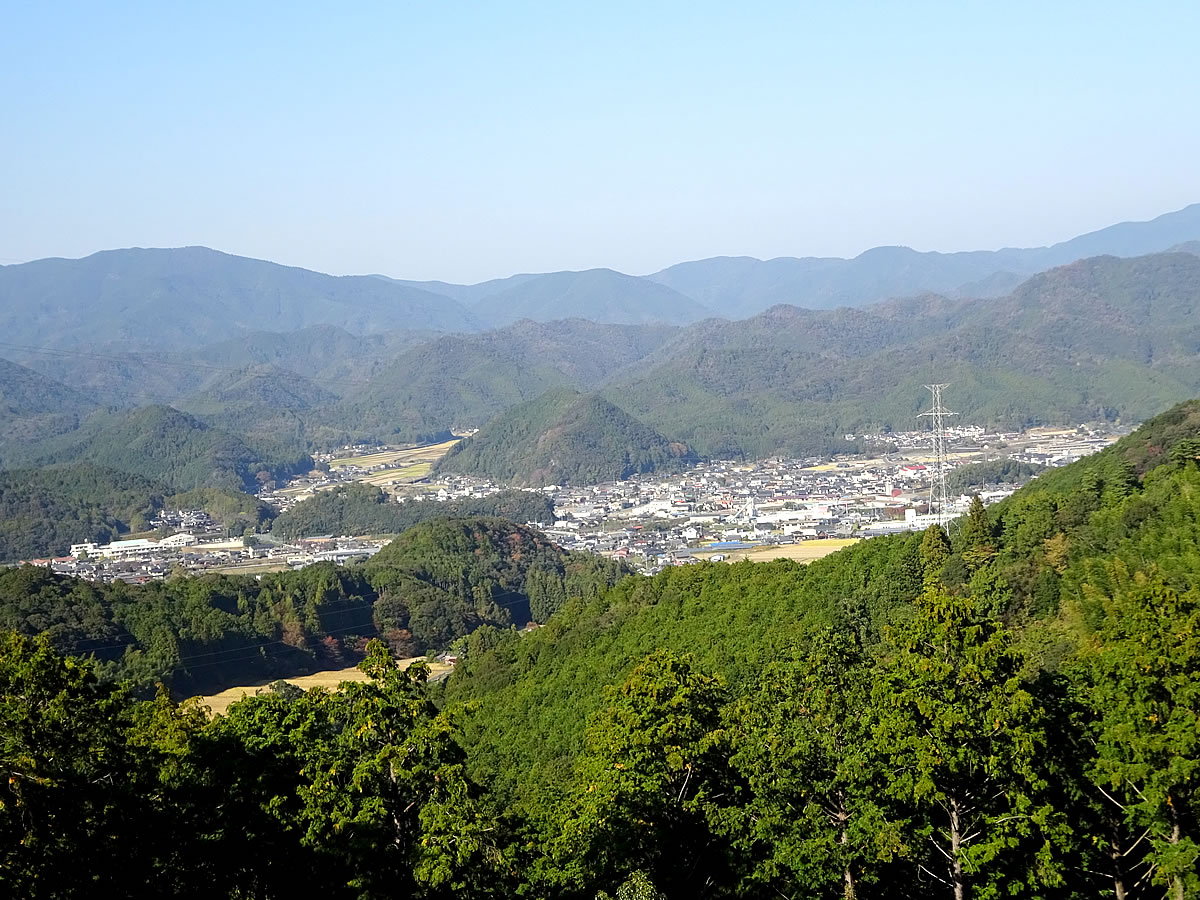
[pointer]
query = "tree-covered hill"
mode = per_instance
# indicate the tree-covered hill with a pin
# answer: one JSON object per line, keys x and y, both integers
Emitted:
{"x": 1104, "y": 338}
{"x": 329, "y": 356}
{"x": 465, "y": 380}
{"x": 44, "y": 511}
{"x": 35, "y": 407}
{"x": 564, "y": 437}
{"x": 266, "y": 386}
{"x": 182, "y": 298}
{"x": 267, "y": 405}
{"x": 1013, "y": 710}
{"x": 361, "y": 509}
{"x": 167, "y": 445}
{"x": 437, "y": 582}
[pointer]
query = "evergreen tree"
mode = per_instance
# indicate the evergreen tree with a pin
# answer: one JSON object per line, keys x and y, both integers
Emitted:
{"x": 964, "y": 737}
{"x": 654, "y": 757}
{"x": 1145, "y": 699}
{"x": 815, "y": 819}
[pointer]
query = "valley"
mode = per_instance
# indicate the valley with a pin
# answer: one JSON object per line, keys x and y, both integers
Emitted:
{"x": 600, "y": 452}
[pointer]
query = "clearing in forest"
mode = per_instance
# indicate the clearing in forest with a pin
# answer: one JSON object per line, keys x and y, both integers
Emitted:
{"x": 803, "y": 551}
{"x": 330, "y": 678}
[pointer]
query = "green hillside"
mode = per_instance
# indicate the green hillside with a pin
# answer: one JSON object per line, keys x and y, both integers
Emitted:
{"x": 167, "y": 445}
{"x": 437, "y": 582}
{"x": 44, "y": 511}
{"x": 34, "y": 407}
{"x": 563, "y": 437}
{"x": 360, "y": 509}
{"x": 462, "y": 381}
{"x": 329, "y": 356}
{"x": 1010, "y": 711}
{"x": 182, "y": 298}
{"x": 1101, "y": 339}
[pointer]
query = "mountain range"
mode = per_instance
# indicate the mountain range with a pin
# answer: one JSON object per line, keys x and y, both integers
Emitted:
{"x": 1102, "y": 338}
{"x": 181, "y": 299}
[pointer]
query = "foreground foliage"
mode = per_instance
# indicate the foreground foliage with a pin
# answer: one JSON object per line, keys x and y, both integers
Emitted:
{"x": 437, "y": 582}
{"x": 1009, "y": 711}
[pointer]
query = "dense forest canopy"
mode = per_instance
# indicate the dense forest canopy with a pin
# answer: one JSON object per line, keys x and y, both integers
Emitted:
{"x": 171, "y": 447}
{"x": 439, "y": 581}
{"x": 1010, "y": 710}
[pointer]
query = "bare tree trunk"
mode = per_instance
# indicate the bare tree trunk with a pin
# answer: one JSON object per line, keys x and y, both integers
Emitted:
{"x": 1176, "y": 837}
{"x": 956, "y": 872}
{"x": 1177, "y": 881}
{"x": 848, "y": 892}
{"x": 1118, "y": 871}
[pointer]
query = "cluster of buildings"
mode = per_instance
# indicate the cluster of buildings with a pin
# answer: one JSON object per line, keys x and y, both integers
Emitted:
{"x": 659, "y": 520}
{"x": 140, "y": 560}
{"x": 652, "y": 521}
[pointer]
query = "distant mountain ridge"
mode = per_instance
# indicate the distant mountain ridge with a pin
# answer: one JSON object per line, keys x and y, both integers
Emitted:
{"x": 741, "y": 286}
{"x": 1102, "y": 338}
{"x": 181, "y": 299}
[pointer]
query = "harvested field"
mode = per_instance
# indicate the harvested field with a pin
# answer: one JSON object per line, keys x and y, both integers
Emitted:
{"x": 330, "y": 678}
{"x": 804, "y": 551}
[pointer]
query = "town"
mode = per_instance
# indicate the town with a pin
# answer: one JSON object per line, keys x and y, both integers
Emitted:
{"x": 716, "y": 510}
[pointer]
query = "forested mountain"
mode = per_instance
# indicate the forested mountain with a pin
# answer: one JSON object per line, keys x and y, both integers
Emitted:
{"x": 599, "y": 295}
{"x": 170, "y": 446}
{"x": 269, "y": 405}
{"x": 1014, "y": 710}
{"x": 465, "y": 380}
{"x": 182, "y": 298}
{"x": 1104, "y": 338}
{"x": 44, "y": 511}
{"x": 736, "y": 287}
{"x": 564, "y": 437}
{"x": 266, "y": 385}
{"x": 34, "y": 407}
{"x": 332, "y": 357}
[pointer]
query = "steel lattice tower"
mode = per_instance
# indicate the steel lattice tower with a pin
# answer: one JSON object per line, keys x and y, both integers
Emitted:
{"x": 937, "y": 482}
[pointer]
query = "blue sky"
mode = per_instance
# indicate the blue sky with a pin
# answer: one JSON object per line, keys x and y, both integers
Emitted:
{"x": 465, "y": 141}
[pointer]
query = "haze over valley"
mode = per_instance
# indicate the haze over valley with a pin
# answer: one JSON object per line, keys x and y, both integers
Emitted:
{"x": 589, "y": 452}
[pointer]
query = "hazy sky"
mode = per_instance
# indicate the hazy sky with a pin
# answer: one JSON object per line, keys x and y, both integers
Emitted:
{"x": 466, "y": 141}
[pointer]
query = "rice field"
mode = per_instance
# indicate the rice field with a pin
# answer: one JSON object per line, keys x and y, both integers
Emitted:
{"x": 404, "y": 473}
{"x": 803, "y": 551}
{"x": 330, "y": 678}
{"x": 430, "y": 453}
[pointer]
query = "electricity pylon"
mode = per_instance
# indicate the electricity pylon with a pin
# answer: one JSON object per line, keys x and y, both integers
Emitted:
{"x": 938, "y": 498}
